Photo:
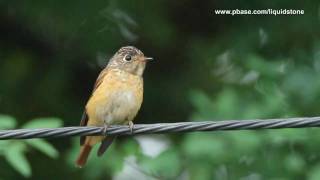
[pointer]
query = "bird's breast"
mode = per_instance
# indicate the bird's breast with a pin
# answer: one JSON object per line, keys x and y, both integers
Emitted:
{"x": 117, "y": 100}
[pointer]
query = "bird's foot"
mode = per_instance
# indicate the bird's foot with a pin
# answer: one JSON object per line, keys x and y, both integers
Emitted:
{"x": 105, "y": 127}
{"x": 131, "y": 125}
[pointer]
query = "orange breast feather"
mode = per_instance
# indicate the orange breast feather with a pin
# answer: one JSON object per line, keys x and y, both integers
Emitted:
{"x": 117, "y": 100}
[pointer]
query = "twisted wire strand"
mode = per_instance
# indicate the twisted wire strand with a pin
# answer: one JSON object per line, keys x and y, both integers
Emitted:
{"x": 303, "y": 122}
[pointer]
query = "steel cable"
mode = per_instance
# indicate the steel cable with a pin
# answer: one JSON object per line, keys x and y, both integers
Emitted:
{"x": 303, "y": 122}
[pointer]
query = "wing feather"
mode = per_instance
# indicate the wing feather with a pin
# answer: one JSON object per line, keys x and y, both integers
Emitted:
{"x": 85, "y": 118}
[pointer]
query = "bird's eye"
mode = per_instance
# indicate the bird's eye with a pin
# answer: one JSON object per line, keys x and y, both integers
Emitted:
{"x": 127, "y": 58}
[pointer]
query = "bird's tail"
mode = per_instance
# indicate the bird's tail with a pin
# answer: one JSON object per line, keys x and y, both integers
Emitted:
{"x": 83, "y": 156}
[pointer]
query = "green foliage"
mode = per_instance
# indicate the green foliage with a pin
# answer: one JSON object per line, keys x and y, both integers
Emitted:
{"x": 7, "y": 122}
{"x": 15, "y": 151}
{"x": 44, "y": 147}
{"x": 167, "y": 165}
{"x": 282, "y": 89}
{"x": 110, "y": 163}
{"x": 16, "y": 157}
{"x": 43, "y": 123}
{"x": 314, "y": 173}
{"x": 201, "y": 150}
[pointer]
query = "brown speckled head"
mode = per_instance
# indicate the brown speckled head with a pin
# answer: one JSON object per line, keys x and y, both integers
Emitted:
{"x": 129, "y": 59}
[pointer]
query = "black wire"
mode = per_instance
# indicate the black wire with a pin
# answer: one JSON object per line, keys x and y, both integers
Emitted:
{"x": 303, "y": 122}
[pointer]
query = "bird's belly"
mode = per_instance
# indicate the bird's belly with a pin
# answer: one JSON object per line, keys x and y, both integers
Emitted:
{"x": 118, "y": 108}
{"x": 116, "y": 101}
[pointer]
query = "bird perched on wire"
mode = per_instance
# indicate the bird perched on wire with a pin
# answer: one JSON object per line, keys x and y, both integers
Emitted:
{"x": 115, "y": 100}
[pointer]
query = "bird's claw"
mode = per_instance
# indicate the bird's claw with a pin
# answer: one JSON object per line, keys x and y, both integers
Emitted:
{"x": 131, "y": 125}
{"x": 105, "y": 127}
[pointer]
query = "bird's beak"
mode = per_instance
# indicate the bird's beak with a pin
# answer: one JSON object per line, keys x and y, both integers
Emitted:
{"x": 148, "y": 58}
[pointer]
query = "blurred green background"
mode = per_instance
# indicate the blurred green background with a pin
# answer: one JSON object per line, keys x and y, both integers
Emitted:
{"x": 208, "y": 67}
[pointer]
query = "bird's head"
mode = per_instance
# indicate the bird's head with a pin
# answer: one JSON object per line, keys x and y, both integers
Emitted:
{"x": 129, "y": 59}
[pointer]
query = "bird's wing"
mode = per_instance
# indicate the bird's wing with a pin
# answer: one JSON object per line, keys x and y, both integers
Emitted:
{"x": 83, "y": 122}
{"x": 84, "y": 119}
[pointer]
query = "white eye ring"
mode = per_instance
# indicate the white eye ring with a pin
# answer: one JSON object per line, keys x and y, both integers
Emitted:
{"x": 127, "y": 58}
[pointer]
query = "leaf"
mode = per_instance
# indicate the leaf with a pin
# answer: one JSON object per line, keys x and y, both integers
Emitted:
{"x": 265, "y": 67}
{"x": 294, "y": 163}
{"x": 44, "y": 123}
{"x": 204, "y": 147}
{"x": 16, "y": 158}
{"x": 7, "y": 122}
{"x": 226, "y": 100}
{"x": 3, "y": 146}
{"x": 314, "y": 173}
{"x": 202, "y": 103}
{"x": 200, "y": 171}
{"x": 131, "y": 147}
{"x": 167, "y": 164}
{"x": 245, "y": 141}
{"x": 113, "y": 158}
{"x": 112, "y": 161}
{"x": 44, "y": 147}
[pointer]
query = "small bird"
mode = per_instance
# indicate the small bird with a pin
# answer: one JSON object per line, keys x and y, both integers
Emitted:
{"x": 116, "y": 98}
